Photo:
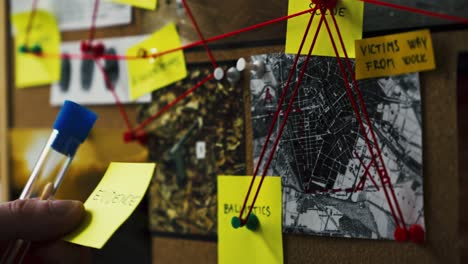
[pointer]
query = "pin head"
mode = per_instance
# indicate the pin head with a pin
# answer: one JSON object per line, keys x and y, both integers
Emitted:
{"x": 236, "y": 222}
{"x": 252, "y": 222}
{"x": 129, "y": 136}
{"x": 99, "y": 49}
{"x": 241, "y": 64}
{"x": 330, "y": 4}
{"x": 400, "y": 234}
{"x": 219, "y": 73}
{"x": 416, "y": 234}
{"x": 85, "y": 46}
{"x": 37, "y": 49}
{"x": 23, "y": 49}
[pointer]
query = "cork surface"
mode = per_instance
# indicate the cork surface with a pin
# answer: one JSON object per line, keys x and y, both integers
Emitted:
{"x": 30, "y": 108}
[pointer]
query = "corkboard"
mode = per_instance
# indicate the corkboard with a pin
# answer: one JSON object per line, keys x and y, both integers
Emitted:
{"x": 440, "y": 139}
{"x": 441, "y": 188}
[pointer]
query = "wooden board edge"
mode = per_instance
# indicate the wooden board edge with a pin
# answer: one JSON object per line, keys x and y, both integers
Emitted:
{"x": 4, "y": 79}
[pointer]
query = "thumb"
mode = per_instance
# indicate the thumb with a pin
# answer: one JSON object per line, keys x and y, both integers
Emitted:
{"x": 39, "y": 220}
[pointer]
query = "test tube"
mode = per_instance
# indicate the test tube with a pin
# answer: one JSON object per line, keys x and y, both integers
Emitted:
{"x": 71, "y": 128}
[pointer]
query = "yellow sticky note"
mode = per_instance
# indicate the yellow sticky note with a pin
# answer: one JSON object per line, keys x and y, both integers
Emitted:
{"x": 31, "y": 70}
{"x": 147, "y": 4}
{"x": 394, "y": 54}
{"x": 241, "y": 245}
{"x": 348, "y": 15}
{"x": 147, "y": 75}
{"x": 112, "y": 202}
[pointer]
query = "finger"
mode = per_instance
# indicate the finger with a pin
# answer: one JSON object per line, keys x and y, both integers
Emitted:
{"x": 38, "y": 220}
{"x": 58, "y": 252}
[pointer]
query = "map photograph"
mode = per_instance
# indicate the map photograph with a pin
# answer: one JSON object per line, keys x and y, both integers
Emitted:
{"x": 330, "y": 184}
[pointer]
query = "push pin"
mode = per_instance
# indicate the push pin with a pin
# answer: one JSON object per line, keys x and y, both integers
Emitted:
{"x": 129, "y": 136}
{"x": 85, "y": 46}
{"x": 416, "y": 234}
{"x": 142, "y": 53}
{"x": 233, "y": 75}
{"x": 400, "y": 234}
{"x": 153, "y": 52}
{"x": 219, "y": 73}
{"x": 142, "y": 137}
{"x": 23, "y": 49}
{"x": 36, "y": 49}
{"x": 99, "y": 49}
{"x": 252, "y": 223}
{"x": 329, "y": 4}
{"x": 257, "y": 67}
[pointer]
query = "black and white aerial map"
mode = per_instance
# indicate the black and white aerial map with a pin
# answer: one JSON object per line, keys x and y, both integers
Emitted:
{"x": 330, "y": 187}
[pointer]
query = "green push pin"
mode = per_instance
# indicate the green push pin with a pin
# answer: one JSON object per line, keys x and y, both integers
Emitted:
{"x": 252, "y": 222}
{"x": 36, "y": 49}
{"x": 236, "y": 222}
{"x": 23, "y": 49}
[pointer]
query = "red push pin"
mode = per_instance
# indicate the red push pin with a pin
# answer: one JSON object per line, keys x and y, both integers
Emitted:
{"x": 329, "y": 4}
{"x": 129, "y": 136}
{"x": 142, "y": 137}
{"x": 400, "y": 234}
{"x": 85, "y": 46}
{"x": 416, "y": 234}
{"x": 99, "y": 49}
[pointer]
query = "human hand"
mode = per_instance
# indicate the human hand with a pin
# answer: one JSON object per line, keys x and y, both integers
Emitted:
{"x": 43, "y": 222}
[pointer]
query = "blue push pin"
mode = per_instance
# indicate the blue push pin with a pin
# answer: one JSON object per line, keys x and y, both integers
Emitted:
{"x": 252, "y": 223}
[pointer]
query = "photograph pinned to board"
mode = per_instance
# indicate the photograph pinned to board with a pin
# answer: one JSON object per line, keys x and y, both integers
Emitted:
{"x": 77, "y": 14}
{"x": 322, "y": 155}
{"x": 198, "y": 139}
{"x": 83, "y": 82}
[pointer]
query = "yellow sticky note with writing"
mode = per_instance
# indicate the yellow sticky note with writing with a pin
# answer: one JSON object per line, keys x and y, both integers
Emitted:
{"x": 241, "y": 245}
{"x": 394, "y": 54}
{"x": 147, "y": 75}
{"x": 147, "y": 4}
{"x": 32, "y": 70}
{"x": 348, "y": 15}
{"x": 112, "y": 202}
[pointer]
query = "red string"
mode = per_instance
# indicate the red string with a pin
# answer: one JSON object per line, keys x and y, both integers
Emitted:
{"x": 369, "y": 123}
{"x": 418, "y": 11}
{"x": 278, "y": 109}
{"x": 188, "y": 46}
{"x": 93, "y": 21}
{"x": 283, "y": 124}
{"x": 114, "y": 94}
{"x": 202, "y": 39}
{"x": 366, "y": 171}
{"x": 171, "y": 104}
{"x": 358, "y": 116}
{"x": 30, "y": 22}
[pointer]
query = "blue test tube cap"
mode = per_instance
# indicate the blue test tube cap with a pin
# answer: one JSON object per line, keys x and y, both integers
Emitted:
{"x": 73, "y": 122}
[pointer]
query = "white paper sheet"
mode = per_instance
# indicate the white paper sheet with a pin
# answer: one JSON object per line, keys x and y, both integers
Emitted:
{"x": 96, "y": 92}
{"x": 77, "y": 14}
